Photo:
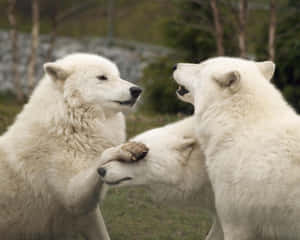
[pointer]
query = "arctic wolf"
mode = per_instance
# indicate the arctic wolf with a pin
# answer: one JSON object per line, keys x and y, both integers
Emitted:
{"x": 251, "y": 140}
{"x": 174, "y": 168}
{"x": 48, "y": 158}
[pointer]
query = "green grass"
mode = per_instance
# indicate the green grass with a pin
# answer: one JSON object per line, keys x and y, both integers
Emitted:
{"x": 130, "y": 213}
{"x": 8, "y": 110}
{"x": 138, "y": 123}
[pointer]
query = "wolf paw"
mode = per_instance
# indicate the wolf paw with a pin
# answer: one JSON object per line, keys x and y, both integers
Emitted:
{"x": 136, "y": 150}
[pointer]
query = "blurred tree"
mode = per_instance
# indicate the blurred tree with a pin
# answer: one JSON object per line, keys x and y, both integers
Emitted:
{"x": 242, "y": 23}
{"x": 194, "y": 35}
{"x": 192, "y": 30}
{"x": 55, "y": 13}
{"x": 111, "y": 15}
{"x": 11, "y": 11}
{"x": 239, "y": 11}
{"x": 34, "y": 44}
{"x": 287, "y": 77}
{"x": 272, "y": 30}
{"x": 218, "y": 27}
{"x": 59, "y": 14}
{"x": 161, "y": 88}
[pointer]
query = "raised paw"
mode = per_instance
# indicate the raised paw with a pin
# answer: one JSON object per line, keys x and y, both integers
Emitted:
{"x": 137, "y": 151}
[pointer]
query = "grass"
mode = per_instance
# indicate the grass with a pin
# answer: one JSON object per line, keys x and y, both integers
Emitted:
{"x": 130, "y": 213}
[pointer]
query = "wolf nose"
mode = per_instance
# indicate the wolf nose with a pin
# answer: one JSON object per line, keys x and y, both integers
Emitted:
{"x": 102, "y": 172}
{"x": 135, "y": 91}
{"x": 174, "y": 67}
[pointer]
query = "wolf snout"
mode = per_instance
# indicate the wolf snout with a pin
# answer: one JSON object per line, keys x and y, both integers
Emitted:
{"x": 135, "y": 92}
{"x": 102, "y": 171}
{"x": 174, "y": 67}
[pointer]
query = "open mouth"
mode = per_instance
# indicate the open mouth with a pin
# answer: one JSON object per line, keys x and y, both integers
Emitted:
{"x": 182, "y": 90}
{"x": 118, "y": 181}
{"x": 130, "y": 102}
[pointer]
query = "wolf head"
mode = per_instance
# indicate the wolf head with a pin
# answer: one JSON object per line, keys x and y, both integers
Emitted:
{"x": 86, "y": 79}
{"x": 218, "y": 79}
{"x": 174, "y": 168}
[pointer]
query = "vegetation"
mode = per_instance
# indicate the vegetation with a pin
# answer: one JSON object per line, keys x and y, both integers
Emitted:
{"x": 79, "y": 19}
{"x": 288, "y": 54}
{"x": 160, "y": 95}
{"x": 191, "y": 31}
{"x": 188, "y": 26}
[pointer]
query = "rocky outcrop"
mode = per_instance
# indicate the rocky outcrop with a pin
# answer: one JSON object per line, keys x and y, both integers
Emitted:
{"x": 131, "y": 57}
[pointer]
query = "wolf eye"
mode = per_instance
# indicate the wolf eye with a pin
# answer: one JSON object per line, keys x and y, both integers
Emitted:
{"x": 102, "y": 77}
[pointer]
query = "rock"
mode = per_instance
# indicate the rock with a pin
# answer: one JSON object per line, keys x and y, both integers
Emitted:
{"x": 131, "y": 57}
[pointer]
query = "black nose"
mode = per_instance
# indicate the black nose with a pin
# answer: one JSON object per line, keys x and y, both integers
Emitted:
{"x": 102, "y": 172}
{"x": 175, "y": 67}
{"x": 135, "y": 91}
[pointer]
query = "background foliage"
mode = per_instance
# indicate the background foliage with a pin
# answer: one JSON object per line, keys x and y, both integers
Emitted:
{"x": 288, "y": 55}
{"x": 190, "y": 31}
{"x": 160, "y": 95}
{"x": 187, "y": 27}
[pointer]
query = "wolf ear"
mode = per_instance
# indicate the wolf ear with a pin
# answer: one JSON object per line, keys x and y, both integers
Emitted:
{"x": 230, "y": 80}
{"x": 186, "y": 142}
{"x": 267, "y": 68}
{"x": 185, "y": 147}
{"x": 56, "y": 72}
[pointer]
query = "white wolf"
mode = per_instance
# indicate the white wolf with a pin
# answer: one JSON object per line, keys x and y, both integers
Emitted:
{"x": 48, "y": 169}
{"x": 174, "y": 168}
{"x": 251, "y": 140}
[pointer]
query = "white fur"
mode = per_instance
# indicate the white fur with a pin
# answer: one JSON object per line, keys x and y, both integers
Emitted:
{"x": 48, "y": 170}
{"x": 251, "y": 140}
{"x": 174, "y": 169}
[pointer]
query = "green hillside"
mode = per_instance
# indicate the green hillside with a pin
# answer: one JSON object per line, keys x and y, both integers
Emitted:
{"x": 139, "y": 20}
